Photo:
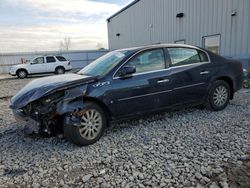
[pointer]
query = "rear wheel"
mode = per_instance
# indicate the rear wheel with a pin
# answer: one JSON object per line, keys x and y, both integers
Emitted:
{"x": 219, "y": 95}
{"x": 60, "y": 70}
{"x": 246, "y": 84}
{"x": 92, "y": 123}
{"x": 22, "y": 73}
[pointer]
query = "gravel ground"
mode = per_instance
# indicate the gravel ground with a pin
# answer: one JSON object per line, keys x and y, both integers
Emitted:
{"x": 186, "y": 148}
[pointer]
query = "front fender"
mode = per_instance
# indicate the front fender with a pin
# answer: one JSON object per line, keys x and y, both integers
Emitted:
{"x": 68, "y": 106}
{"x": 72, "y": 101}
{"x": 71, "y": 110}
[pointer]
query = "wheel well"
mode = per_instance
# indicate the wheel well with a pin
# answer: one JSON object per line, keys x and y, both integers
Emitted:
{"x": 101, "y": 104}
{"x": 230, "y": 83}
{"x": 21, "y": 69}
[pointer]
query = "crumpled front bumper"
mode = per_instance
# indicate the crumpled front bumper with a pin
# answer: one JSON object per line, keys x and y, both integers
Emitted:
{"x": 31, "y": 126}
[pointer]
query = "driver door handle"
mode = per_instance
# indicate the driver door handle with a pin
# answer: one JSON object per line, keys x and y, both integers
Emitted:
{"x": 162, "y": 81}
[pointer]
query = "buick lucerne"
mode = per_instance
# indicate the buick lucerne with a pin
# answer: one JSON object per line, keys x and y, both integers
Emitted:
{"x": 123, "y": 84}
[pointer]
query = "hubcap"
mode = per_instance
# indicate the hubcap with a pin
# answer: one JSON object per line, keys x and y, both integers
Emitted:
{"x": 60, "y": 71}
{"x": 91, "y": 124}
{"x": 220, "y": 96}
{"x": 22, "y": 74}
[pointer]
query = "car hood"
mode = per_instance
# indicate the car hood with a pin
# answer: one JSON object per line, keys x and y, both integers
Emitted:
{"x": 43, "y": 86}
{"x": 19, "y": 65}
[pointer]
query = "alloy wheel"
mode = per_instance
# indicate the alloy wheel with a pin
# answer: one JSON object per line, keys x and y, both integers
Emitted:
{"x": 22, "y": 74}
{"x": 60, "y": 71}
{"x": 220, "y": 96}
{"x": 91, "y": 124}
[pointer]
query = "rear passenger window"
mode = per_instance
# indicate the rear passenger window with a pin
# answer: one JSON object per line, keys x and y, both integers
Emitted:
{"x": 61, "y": 58}
{"x": 186, "y": 56}
{"x": 50, "y": 59}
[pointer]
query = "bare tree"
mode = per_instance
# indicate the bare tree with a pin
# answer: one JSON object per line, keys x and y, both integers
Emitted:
{"x": 99, "y": 46}
{"x": 65, "y": 44}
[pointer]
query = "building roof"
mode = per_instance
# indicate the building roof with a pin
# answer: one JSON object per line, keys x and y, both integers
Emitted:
{"x": 123, "y": 9}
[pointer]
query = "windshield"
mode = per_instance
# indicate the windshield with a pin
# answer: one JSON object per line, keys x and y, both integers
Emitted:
{"x": 104, "y": 64}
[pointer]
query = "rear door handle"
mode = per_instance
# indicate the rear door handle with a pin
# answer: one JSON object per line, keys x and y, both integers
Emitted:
{"x": 162, "y": 81}
{"x": 204, "y": 72}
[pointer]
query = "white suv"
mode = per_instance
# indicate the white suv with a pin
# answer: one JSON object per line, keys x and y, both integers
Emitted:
{"x": 40, "y": 65}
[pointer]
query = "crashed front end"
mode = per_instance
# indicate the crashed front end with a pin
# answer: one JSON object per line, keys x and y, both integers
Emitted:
{"x": 40, "y": 116}
{"x": 42, "y": 109}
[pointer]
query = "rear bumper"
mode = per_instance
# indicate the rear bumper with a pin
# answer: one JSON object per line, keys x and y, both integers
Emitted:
{"x": 238, "y": 83}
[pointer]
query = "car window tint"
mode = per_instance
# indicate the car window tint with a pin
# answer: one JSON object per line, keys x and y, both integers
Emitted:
{"x": 50, "y": 59}
{"x": 183, "y": 56}
{"x": 61, "y": 58}
{"x": 148, "y": 61}
{"x": 38, "y": 60}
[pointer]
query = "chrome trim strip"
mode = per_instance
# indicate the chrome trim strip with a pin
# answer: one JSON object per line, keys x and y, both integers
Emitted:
{"x": 201, "y": 63}
{"x": 192, "y": 85}
{"x": 138, "y": 96}
{"x": 136, "y": 74}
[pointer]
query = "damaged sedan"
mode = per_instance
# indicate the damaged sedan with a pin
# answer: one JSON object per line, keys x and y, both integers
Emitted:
{"x": 124, "y": 84}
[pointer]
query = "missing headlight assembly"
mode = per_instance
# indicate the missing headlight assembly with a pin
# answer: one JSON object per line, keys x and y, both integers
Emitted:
{"x": 43, "y": 112}
{"x": 41, "y": 105}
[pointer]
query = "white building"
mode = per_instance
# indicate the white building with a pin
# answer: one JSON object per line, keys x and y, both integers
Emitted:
{"x": 222, "y": 26}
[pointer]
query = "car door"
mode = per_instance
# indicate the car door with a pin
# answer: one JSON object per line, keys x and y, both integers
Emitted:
{"x": 148, "y": 89}
{"x": 51, "y": 63}
{"x": 191, "y": 71}
{"x": 38, "y": 65}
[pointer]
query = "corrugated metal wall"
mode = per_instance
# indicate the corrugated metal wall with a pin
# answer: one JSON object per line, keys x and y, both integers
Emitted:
{"x": 154, "y": 21}
{"x": 78, "y": 59}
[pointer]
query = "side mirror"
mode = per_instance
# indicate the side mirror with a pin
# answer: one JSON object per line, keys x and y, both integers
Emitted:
{"x": 124, "y": 71}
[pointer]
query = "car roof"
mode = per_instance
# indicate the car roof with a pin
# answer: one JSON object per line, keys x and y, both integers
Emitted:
{"x": 48, "y": 56}
{"x": 159, "y": 46}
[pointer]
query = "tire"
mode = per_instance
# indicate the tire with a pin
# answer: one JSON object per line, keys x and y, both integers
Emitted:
{"x": 60, "y": 70}
{"x": 87, "y": 133}
{"x": 22, "y": 73}
{"x": 218, "y": 96}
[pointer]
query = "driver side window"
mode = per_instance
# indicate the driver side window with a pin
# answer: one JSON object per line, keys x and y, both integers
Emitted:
{"x": 148, "y": 61}
{"x": 38, "y": 60}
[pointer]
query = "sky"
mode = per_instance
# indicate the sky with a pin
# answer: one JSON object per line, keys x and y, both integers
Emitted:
{"x": 42, "y": 25}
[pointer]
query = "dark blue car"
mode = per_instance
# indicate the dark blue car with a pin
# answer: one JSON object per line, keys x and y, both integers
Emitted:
{"x": 127, "y": 83}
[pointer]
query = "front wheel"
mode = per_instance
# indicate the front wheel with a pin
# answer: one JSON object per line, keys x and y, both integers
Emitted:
{"x": 22, "y": 74}
{"x": 92, "y": 123}
{"x": 219, "y": 95}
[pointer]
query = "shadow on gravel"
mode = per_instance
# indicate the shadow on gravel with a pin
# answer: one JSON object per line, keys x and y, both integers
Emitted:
{"x": 239, "y": 176}
{"x": 14, "y": 172}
